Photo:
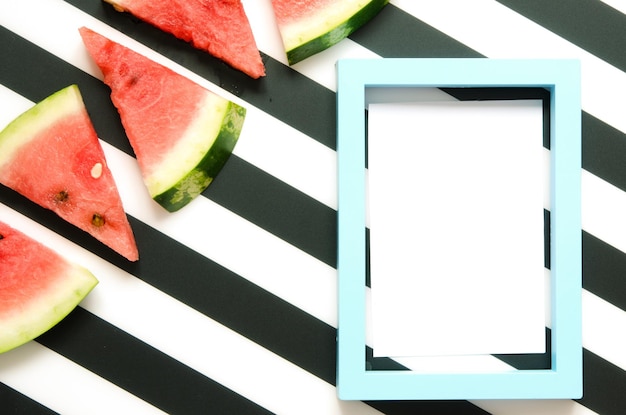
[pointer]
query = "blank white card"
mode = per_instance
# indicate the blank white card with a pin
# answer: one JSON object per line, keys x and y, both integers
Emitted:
{"x": 456, "y": 227}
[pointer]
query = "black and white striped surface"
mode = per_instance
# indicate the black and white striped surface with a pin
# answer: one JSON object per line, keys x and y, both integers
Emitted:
{"x": 231, "y": 308}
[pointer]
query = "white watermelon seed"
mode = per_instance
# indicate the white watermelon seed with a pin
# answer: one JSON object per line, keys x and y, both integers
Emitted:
{"x": 96, "y": 170}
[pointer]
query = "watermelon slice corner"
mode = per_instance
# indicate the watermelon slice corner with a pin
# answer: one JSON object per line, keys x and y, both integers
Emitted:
{"x": 308, "y": 27}
{"x": 38, "y": 287}
{"x": 181, "y": 133}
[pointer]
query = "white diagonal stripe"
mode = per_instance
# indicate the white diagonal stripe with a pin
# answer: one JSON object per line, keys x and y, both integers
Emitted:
{"x": 603, "y": 207}
{"x": 64, "y": 386}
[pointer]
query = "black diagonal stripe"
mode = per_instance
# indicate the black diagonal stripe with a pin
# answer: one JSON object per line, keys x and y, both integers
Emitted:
{"x": 241, "y": 187}
{"x": 604, "y": 385}
{"x": 394, "y": 33}
{"x": 278, "y": 208}
{"x": 283, "y": 92}
{"x": 589, "y": 24}
{"x": 604, "y": 268}
{"x": 52, "y": 221}
{"x": 15, "y": 403}
{"x": 141, "y": 369}
{"x": 604, "y": 150}
{"x": 508, "y": 93}
{"x": 427, "y": 408}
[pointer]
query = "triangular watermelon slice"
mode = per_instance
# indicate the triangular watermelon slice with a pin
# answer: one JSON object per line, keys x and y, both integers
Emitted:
{"x": 51, "y": 155}
{"x": 182, "y": 133}
{"x": 219, "y": 27}
{"x": 311, "y": 26}
{"x": 38, "y": 287}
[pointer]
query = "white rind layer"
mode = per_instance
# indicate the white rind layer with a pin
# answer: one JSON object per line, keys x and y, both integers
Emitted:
{"x": 191, "y": 148}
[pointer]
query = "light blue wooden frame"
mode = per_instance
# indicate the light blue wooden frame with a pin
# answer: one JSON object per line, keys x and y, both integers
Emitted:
{"x": 562, "y": 79}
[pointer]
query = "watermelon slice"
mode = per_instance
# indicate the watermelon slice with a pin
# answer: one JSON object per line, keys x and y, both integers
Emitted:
{"x": 51, "y": 155}
{"x": 219, "y": 27}
{"x": 311, "y": 26}
{"x": 38, "y": 287}
{"x": 182, "y": 133}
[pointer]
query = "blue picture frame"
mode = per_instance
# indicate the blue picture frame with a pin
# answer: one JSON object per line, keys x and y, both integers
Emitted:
{"x": 563, "y": 380}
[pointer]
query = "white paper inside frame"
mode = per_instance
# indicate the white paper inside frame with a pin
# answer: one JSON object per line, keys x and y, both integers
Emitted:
{"x": 456, "y": 227}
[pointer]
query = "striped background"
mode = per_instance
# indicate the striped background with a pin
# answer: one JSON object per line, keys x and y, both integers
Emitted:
{"x": 231, "y": 308}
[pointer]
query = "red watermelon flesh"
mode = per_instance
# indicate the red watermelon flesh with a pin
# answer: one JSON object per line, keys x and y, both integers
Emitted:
{"x": 38, "y": 287}
{"x": 219, "y": 27}
{"x": 289, "y": 11}
{"x": 51, "y": 155}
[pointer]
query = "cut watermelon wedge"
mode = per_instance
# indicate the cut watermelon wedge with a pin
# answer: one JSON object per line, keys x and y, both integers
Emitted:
{"x": 219, "y": 27}
{"x": 38, "y": 287}
{"x": 311, "y": 26}
{"x": 182, "y": 133}
{"x": 51, "y": 155}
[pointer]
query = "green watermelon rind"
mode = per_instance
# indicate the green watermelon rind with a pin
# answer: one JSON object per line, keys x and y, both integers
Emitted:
{"x": 61, "y": 286}
{"x": 201, "y": 176}
{"x": 329, "y": 38}
{"x": 27, "y": 125}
